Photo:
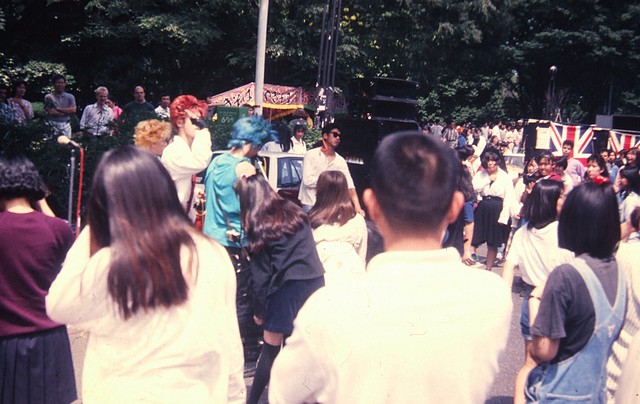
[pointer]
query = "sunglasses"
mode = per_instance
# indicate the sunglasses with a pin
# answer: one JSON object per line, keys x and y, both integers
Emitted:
{"x": 336, "y": 134}
{"x": 201, "y": 124}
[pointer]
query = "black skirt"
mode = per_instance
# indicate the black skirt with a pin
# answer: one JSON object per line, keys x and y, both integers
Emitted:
{"x": 486, "y": 228}
{"x": 37, "y": 368}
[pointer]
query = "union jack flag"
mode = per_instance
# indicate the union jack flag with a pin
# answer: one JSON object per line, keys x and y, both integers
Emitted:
{"x": 581, "y": 135}
{"x": 619, "y": 141}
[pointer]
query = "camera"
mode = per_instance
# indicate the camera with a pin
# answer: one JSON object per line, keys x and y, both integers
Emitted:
{"x": 233, "y": 236}
{"x": 529, "y": 178}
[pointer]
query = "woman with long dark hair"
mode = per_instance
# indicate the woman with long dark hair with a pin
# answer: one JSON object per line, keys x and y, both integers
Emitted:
{"x": 339, "y": 231}
{"x": 35, "y": 356}
{"x": 155, "y": 294}
{"x": 578, "y": 314}
{"x": 534, "y": 250}
{"x": 285, "y": 266}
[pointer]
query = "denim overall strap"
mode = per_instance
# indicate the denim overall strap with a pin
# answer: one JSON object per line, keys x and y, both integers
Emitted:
{"x": 582, "y": 377}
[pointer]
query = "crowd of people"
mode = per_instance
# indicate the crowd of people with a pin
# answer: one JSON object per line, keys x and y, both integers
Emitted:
{"x": 175, "y": 313}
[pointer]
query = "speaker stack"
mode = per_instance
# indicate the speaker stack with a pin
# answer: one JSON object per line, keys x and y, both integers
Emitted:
{"x": 377, "y": 107}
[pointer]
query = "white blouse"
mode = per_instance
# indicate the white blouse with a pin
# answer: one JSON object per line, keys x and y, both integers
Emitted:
{"x": 189, "y": 353}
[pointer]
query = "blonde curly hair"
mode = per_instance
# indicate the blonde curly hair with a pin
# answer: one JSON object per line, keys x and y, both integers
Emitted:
{"x": 151, "y": 131}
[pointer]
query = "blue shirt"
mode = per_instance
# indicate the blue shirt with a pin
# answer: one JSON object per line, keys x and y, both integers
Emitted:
{"x": 222, "y": 199}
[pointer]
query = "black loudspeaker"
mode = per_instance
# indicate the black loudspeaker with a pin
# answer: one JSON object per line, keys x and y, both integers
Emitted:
{"x": 600, "y": 140}
{"x": 359, "y": 140}
{"x": 384, "y": 99}
{"x": 626, "y": 122}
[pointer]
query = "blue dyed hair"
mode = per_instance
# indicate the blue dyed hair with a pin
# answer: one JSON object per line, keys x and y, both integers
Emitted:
{"x": 254, "y": 129}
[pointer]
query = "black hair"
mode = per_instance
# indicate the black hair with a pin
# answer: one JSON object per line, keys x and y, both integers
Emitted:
{"x": 568, "y": 143}
{"x": 601, "y": 163}
{"x": 57, "y": 77}
{"x": 561, "y": 161}
{"x": 540, "y": 208}
{"x": 414, "y": 178}
{"x": 19, "y": 178}
{"x": 283, "y": 133}
{"x": 464, "y": 152}
{"x": 489, "y": 155}
{"x": 265, "y": 215}
{"x": 18, "y": 83}
{"x": 589, "y": 221}
{"x": 331, "y": 126}
{"x": 545, "y": 155}
{"x": 633, "y": 179}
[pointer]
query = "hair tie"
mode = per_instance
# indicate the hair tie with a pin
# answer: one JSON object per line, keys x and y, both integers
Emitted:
{"x": 599, "y": 179}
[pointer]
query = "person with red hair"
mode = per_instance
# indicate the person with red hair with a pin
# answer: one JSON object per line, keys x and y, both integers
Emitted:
{"x": 190, "y": 151}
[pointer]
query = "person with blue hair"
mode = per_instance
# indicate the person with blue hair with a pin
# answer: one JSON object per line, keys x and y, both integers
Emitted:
{"x": 222, "y": 221}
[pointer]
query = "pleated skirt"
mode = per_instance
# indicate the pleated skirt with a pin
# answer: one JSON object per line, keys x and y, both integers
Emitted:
{"x": 37, "y": 368}
{"x": 486, "y": 228}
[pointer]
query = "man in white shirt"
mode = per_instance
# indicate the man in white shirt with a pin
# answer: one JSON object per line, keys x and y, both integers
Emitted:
{"x": 190, "y": 151}
{"x": 419, "y": 326}
{"x": 322, "y": 159}
{"x": 96, "y": 117}
{"x": 163, "y": 109}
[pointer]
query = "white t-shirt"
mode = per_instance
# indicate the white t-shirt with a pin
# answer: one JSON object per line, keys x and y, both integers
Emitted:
{"x": 536, "y": 252}
{"x": 417, "y": 327}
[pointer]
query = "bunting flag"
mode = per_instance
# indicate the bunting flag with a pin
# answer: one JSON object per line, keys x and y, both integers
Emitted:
{"x": 581, "y": 135}
{"x": 619, "y": 141}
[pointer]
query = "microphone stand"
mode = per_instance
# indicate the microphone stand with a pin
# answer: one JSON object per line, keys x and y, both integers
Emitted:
{"x": 72, "y": 164}
{"x": 80, "y": 180}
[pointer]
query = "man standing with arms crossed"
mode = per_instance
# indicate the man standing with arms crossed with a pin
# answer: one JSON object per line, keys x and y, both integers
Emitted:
{"x": 60, "y": 106}
{"x": 322, "y": 159}
{"x": 419, "y": 326}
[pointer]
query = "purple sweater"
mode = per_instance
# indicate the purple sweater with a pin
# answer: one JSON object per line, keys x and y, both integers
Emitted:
{"x": 32, "y": 249}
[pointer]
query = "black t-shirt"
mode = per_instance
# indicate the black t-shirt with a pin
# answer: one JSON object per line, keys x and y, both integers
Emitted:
{"x": 566, "y": 309}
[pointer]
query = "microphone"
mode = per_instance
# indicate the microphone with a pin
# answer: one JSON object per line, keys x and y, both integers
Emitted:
{"x": 63, "y": 140}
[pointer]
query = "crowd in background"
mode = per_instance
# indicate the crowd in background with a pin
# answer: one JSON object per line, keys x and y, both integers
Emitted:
{"x": 175, "y": 313}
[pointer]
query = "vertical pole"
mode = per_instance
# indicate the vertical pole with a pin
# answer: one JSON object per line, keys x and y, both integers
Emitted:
{"x": 72, "y": 168}
{"x": 261, "y": 54}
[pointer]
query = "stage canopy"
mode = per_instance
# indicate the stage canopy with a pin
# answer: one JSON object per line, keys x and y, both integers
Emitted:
{"x": 277, "y": 100}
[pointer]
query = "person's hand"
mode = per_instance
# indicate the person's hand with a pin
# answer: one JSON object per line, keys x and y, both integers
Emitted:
{"x": 258, "y": 320}
{"x": 467, "y": 260}
{"x": 361, "y": 212}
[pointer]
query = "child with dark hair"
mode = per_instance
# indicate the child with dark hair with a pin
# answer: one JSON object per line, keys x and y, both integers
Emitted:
{"x": 577, "y": 315}
{"x": 285, "y": 266}
{"x": 35, "y": 356}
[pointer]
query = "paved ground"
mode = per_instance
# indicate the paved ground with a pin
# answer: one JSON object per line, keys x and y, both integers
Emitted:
{"x": 501, "y": 390}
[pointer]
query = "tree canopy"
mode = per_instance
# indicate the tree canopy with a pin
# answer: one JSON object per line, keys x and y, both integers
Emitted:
{"x": 474, "y": 60}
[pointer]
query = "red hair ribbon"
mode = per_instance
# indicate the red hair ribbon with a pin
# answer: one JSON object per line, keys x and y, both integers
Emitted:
{"x": 599, "y": 179}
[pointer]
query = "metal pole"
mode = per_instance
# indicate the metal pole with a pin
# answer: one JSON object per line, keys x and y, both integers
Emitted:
{"x": 261, "y": 54}
{"x": 72, "y": 165}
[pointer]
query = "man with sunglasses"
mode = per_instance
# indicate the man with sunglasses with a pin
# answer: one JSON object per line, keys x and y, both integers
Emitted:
{"x": 322, "y": 159}
{"x": 190, "y": 151}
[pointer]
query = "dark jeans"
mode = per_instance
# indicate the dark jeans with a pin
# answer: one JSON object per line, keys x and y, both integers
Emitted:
{"x": 249, "y": 331}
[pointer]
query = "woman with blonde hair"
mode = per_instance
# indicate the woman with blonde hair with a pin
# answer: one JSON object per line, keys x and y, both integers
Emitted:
{"x": 153, "y": 135}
